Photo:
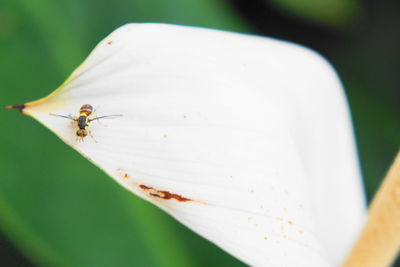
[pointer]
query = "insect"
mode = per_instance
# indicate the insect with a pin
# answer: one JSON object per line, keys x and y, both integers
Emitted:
{"x": 83, "y": 120}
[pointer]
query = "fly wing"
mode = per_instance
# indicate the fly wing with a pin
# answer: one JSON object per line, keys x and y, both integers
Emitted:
{"x": 114, "y": 116}
{"x": 63, "y": 116}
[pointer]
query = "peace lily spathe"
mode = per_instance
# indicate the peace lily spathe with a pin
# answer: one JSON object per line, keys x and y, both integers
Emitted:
{"x": 244, "y": 139}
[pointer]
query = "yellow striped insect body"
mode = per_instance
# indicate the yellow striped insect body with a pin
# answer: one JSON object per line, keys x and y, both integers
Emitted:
{"x": 83, "y": 120}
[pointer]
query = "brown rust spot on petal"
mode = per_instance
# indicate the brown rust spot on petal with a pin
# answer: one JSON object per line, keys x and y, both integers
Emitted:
{"x": 109, "y": 42}
{"x": 163, "y": 194}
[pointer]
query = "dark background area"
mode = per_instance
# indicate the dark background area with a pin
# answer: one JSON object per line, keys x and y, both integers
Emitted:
{"x": 41, "y": 42}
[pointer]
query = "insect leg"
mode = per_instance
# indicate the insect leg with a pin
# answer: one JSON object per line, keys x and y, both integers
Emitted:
{"x": 91, "y": 135}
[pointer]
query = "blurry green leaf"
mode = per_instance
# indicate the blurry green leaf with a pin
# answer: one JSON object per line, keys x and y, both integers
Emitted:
{"x": 205, "y": 13}
{"x": 335, "y": 13}
{"x": 377, "y": 127}
{"x": 57, "y": 31}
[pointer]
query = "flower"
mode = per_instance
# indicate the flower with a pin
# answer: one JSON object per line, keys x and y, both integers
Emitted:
{"x": 246, "y": 140}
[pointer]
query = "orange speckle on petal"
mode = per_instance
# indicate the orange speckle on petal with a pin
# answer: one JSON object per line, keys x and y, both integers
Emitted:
{"x": 123, "y": 173}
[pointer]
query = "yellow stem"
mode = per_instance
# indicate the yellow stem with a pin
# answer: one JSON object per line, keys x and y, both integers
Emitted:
{"x": 379, "y": 242}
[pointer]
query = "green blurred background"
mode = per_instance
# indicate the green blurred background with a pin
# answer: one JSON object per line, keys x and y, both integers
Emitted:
{"x": 56, "y": 209}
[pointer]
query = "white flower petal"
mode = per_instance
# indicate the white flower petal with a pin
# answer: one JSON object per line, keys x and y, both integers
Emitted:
{"x": 323, "y": 135}
{"x": 216, "y": 131}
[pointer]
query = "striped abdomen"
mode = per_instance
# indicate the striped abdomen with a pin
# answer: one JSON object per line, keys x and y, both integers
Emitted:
{"x": 86, "y": 109}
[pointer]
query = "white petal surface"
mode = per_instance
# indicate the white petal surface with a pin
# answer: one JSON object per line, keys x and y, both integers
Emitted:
{"x": 222, "y": 131}
{"x": 323, "y": 134}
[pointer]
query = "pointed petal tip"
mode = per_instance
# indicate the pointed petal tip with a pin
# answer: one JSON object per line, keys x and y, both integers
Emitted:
{"x": 20, "y": 107}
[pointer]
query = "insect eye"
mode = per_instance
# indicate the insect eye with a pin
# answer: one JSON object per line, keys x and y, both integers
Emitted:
{"x": 84, "y": 133}
{"x": 78, "y": 133}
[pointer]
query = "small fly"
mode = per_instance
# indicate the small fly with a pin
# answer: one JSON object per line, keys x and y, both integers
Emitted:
{"x": 83, "y": 120}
